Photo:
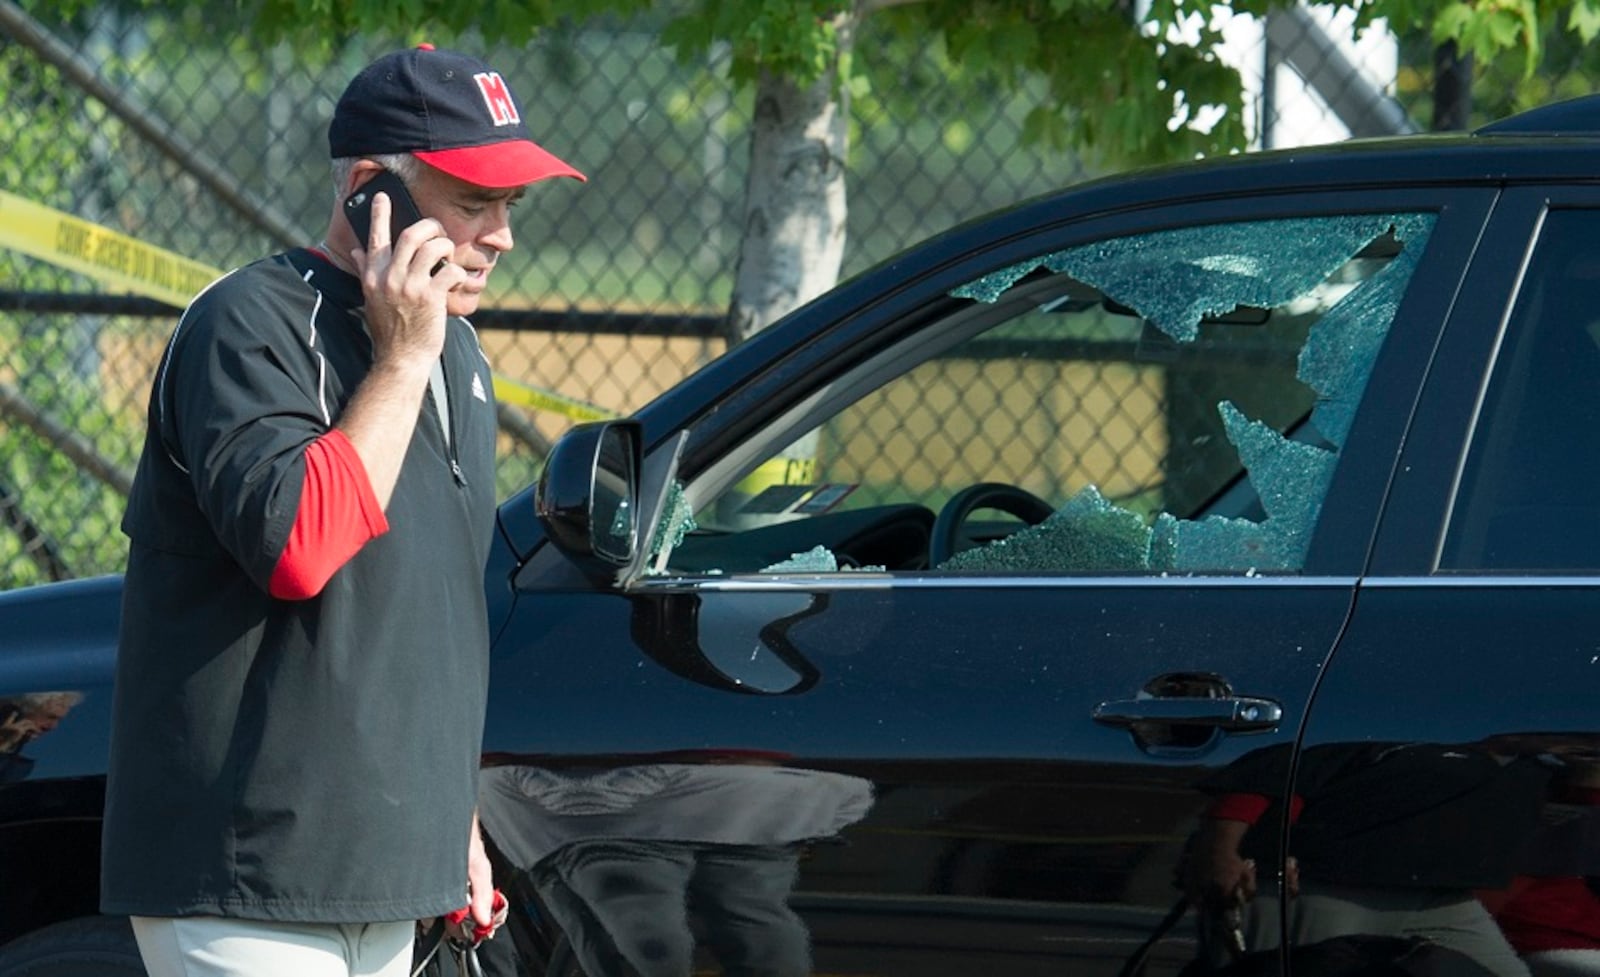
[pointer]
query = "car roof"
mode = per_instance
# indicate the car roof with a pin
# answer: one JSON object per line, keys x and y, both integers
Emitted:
{"x": 1557, "y": 143}
{"x": 1573, "y": 117}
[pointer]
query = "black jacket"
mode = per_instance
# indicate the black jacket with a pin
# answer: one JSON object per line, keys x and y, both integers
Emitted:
{"x": 306, "y": 760}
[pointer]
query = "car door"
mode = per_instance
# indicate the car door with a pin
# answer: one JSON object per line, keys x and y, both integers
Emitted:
{"x": 959, "y": 608}
{"x": 1460, "y": 706}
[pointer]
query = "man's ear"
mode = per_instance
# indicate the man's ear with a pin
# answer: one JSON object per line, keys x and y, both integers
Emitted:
{"x": 360, "y": 173}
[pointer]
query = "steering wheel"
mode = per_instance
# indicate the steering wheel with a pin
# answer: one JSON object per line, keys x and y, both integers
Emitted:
{"x": 947, "y": 539}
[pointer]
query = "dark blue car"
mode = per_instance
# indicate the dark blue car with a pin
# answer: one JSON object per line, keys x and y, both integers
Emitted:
{"x": 1192, "y": 569}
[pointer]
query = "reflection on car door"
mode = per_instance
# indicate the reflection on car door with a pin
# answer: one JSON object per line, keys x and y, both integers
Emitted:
{"x": 994, "y": 764}
{"x": 1472, "y": 652}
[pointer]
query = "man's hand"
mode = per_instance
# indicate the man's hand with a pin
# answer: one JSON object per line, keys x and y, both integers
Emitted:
{"x": 405, "y": 298}
{"x": 405, "y": 315}
{"x": 486, "y": 908}
{"x": 1215, "y": 876}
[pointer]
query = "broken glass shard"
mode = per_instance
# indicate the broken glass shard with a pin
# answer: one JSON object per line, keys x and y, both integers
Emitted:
{"x": 818, "y": 559}
{"x": 675, "y": 522}
{"x": 1089, "y": 532}
{"x": 1338, "y": 355}
{"x": 1176, "y": 278}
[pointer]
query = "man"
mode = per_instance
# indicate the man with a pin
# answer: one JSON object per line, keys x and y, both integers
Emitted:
{"x": 25, "y": 718}
{"x": 1386, "y": 840}
{"x": 304, "y": 650}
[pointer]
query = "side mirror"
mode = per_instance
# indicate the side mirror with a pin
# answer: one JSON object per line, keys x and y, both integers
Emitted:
{"x": 588, "y": 496}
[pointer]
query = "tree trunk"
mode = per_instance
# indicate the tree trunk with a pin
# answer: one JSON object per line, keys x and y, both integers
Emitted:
{"x": 794, "y": 209}
{"x": 1452, "y": 88}
{"x": 793, "y": 238}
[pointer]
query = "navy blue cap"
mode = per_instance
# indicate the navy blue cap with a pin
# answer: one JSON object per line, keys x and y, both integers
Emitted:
{"x": 450, "y": 110}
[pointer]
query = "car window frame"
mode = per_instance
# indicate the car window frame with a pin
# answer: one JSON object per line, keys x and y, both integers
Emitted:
{"x": 1417, "y": 515}
{"x": 822, "y": 340}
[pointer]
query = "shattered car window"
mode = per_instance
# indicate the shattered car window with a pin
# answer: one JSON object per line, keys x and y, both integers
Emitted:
{"x": 1176, "y": 279}
{"x": 675, "y": 522}
{"x": 1167, "y": 402}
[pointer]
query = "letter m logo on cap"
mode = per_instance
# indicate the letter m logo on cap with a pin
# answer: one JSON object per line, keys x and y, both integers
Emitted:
{"x": 498, "y": 98}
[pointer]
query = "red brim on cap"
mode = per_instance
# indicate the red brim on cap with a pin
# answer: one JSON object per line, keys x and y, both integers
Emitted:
{"x": 502, "y": 164}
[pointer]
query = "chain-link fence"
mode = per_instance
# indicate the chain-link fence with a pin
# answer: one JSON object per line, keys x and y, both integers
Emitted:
{"x": 617, "y": 288}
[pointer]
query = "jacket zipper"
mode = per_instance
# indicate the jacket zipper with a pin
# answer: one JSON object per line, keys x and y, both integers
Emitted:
{"x": 445, "y": 414}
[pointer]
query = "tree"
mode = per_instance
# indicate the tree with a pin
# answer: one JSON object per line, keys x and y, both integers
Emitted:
{"x": 1499, "y": 87}
{"x": 1130, "y": 80}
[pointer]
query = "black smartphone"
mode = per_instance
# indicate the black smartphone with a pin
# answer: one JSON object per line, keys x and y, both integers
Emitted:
{"x": 402, "y": 209}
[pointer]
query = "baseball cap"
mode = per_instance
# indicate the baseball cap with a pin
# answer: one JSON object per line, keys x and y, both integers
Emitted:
{"x": 450, "y": 110}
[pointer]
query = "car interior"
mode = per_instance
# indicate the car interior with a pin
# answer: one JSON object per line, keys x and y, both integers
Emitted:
{"x": 1070, "y": 417}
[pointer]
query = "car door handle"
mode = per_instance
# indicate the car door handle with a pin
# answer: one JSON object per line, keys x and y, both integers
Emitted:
{"x": 1233, "y": 713}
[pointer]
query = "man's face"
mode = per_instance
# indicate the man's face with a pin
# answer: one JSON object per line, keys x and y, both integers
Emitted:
{"x": 478, "y": 221}
{"x": 47, "y": 716}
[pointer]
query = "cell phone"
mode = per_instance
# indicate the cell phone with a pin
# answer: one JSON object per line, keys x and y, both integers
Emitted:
{"x": 402, "y": 209}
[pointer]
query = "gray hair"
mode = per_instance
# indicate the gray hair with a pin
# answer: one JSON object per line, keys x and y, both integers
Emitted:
{"x": 37, "y": 701}
{"x": 403, "y": 165}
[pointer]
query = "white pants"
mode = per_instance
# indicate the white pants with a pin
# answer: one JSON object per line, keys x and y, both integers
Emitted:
{"x": 209, "y": 946}
{"x": 1449, "y": 917}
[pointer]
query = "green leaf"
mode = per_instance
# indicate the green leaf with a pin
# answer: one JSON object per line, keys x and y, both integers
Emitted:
{"x": 1583, "y": 19}
{"x": 957, "y": 136}
{"x": 1492, "y": 27}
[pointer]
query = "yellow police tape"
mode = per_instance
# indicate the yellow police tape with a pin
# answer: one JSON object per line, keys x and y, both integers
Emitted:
{"x": 126, "y": 264}
{"x": 512, "y": 391}
{"x": 116, "y": 260}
